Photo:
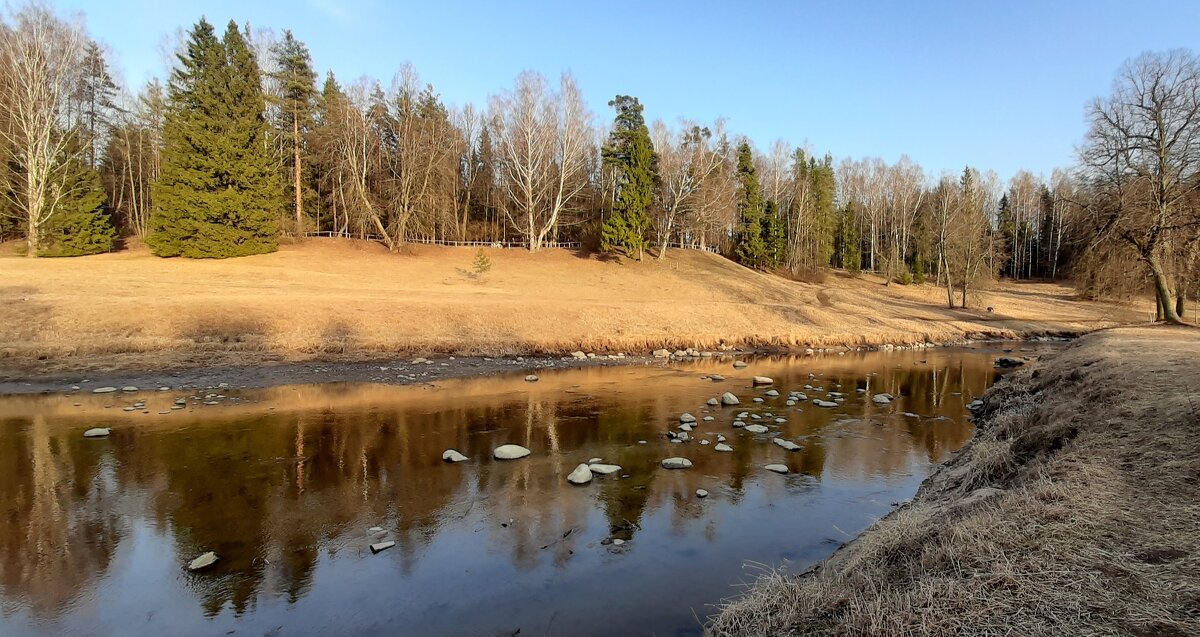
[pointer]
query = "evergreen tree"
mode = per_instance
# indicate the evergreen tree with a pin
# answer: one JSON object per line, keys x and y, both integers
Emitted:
{"x": 848, "y": 251}
{"x": 94, "y": 94}
{"x": 630, "y": 153}
{"x": 297, "y": 109}
{"x": 774, "y": 234}
{"x": 80, "y": 224}
{"x": 217, "y": 195}
{"x": 824, "y": 208}
{"x": 751, "y": 249}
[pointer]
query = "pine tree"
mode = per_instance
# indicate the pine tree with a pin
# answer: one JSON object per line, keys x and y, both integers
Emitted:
{"x": 80, "y": 224}
{"x": 848, "y": 252}
{"x": 774, "y": 234}
{"x": 95, "y": 94}
{"x": 630, "y": 153}
{"x": 297, "y": 108}
{"x": 217, "y": 195}
{"x": 751, "y": 250}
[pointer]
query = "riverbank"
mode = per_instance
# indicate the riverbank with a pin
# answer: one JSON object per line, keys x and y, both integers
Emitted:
{"x": 339, "y": 301}
{"x": 1074, "y": 510}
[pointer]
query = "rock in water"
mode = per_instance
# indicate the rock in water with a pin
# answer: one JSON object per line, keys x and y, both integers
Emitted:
{"x": 603, "y": 469}
{"x": 661, "y": 353}
{"x": 532, "y": 378}
{"x": 722, "y": 447}
{"x": 729, "y": 399}
{"x": 701, "y": 493}
{"x": 786, "y": 444}
{"x": 739, "y": 364}
{"x": 203, "y": 562}
{"x": 713, "y": 402}
{"x": 510, "y": 452}
{"x": 763, "y": 380}
{"x": 824, "y": 403}
{"x": 450, "y": 455}
{"x": 756, "y": 429}
{"x": 97, "y": 432}
{"x": 772, "y": 393}
{"x": 581, "y": 475}
{"x": 1005, "y": 362}
{"x": 578, "y": 355}
{"x": 881, "y": 399}
{"x": 777, "y": 468}
{"x": 382, "y": 546}
{"x": 687, "y": 418}
{"x": 104, "y": 390}
{"x": 677, "y": 463}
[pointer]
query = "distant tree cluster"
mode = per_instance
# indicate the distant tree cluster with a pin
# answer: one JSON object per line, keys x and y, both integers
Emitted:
{"x": 242, "y": 148}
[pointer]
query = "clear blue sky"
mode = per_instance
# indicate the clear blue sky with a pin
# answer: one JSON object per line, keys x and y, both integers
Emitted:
{"x": 998, "y": 85}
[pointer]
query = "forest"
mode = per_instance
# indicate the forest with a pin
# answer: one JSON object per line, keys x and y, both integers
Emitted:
{"x": 246, "y": 145}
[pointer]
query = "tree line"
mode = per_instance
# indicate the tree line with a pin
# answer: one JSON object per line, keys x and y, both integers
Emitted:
{"x": 246, "y": 144}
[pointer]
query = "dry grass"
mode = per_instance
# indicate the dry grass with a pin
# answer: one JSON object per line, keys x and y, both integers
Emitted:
{"x": 336, "y": 298}
{"x": 1076, "y": 511}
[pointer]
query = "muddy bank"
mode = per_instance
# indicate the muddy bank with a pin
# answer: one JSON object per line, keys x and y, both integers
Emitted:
{"x": 1074, "y": 510}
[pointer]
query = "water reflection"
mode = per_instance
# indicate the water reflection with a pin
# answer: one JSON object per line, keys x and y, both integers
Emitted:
{"x": 284, "y": 483}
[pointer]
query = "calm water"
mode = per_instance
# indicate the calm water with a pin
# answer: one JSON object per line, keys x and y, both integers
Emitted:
{"x": 284, "y": 484}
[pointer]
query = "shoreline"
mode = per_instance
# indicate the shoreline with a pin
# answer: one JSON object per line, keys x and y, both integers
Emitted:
{"x": 405, "y": 371}
{"x": 1069, "y": 455}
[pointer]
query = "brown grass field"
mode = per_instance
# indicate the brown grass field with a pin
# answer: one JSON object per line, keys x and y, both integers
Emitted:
{"x": 1074, "y": 511}
{"x": 342, "y": 299}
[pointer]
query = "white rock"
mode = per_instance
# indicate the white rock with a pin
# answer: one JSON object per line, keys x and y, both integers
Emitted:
{"x": 757, "y": 399}
{"x": 729, "y": 399}
{"x": 780, "y": 421}
{"x": 129, "y": 388}
{"x": 104, "y": 390}
{"x": 687, "y": 418}
{"x": 881, "y": 399}
{"x": 772, "y": 393}
{"x": 203, "y": 562}
{"x": 722, "y": 447}
{"x": 701, "y": 493}
{"x": 450, "y": 455}
{"x": 578, "y": 355}
{"x": 618, "y": 542}
{"x": 756, "y": 429}
{"x": 595, "y": 460}
{"x": 720, "y": 438}
{"x": 382, "y": 546}
{"x": 510, "y": 452}
{"x": 824, "y": 403}
{"x": 603, "y": 469}
{"x": 786, "y": 444}
{"x": 713, "y": 402}
{"x": 777, "y": 468}
{"x": 532, "y": 378}
{"x": 661, "y": 353}
{"x": 685, "y": 427}
{"x": 709, "y": 419}
{"x": 581, "y": 475}
{"x": 704, "y": 442}
{"x": 739, "y": 364}
{"x": 677, "y": 463}
{"x": 763, "y": 380}
{"x": 97, "y": 432}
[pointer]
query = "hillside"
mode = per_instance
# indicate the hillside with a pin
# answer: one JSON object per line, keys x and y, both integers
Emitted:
{"x": 342, "y": 299}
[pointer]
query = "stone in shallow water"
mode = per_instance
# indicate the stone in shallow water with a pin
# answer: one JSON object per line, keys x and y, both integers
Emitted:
{"x": 786, "y": 444}
{"x": 756, "y": 429}
{"x": 881, "y": 399}
{"x": 729, "y": 399}
{"x": 677, "y": 463}
{"x": 687, "y": 418}
{"x": 772, "y": 393}
{"x": 581, "y": 475}
{"x": 763, "y": 380}
{"x": 713, "y": 402}
{"x": 129, "y": 388}
{"x": 104, "y": 390}
{"x": 722, "y": 447}
{"x": 203, "y": 562}
{"x": 510, "y": 452}
{"x": 739, "y": 365}
{"x": 824, "y": 403}
{"x": 450, "y": 455}
{"x": 777, "y": 468}
{"x": 701, "y": 493}
{"x": 603, "y": 469}
{"x": 97, "y": 432}
{"x": 532, "y": 378}
{"x": 382, "y": 546}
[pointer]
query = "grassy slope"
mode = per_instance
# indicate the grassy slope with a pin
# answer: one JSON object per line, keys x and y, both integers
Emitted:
{"x": 332, "y": 298}
{"x": 1075, "y": 511}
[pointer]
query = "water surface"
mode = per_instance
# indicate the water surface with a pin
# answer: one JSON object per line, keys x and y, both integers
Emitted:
{"x": 284, "y": 483}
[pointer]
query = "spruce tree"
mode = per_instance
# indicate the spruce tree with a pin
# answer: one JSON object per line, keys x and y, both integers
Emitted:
{"x": 751, "y": 249}
{"x": 630, "y": 153}
{"x": 297, "y": 109}
{"x": 80, "y": 224}
{"x": 774, "y": 235}
{"x": 218, "y": 193}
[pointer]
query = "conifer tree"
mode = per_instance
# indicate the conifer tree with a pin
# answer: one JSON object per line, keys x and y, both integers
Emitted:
{"x": 217, "y": 195}
{"x": 751, "y": 249}
{"x": 630, "y": 153}
{"x": 80, "y": 224}
{"x": 297, "y": 107}
{"x": 774, "y": 235}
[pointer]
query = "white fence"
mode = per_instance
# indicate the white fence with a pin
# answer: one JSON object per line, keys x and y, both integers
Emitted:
{"x": 567, "y": 245}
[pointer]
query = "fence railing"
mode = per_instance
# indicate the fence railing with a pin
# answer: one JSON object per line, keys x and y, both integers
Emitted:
{"x": 567, "y": 245}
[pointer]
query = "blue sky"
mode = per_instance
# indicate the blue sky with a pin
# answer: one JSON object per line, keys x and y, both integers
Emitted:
{"x": 998, "y": 85}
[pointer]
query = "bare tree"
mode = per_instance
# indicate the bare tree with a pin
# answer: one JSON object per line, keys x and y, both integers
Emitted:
{"x": 1141, "y": 157}
{"x": 42, "y": 54}
{"x": 544, "y": 142}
